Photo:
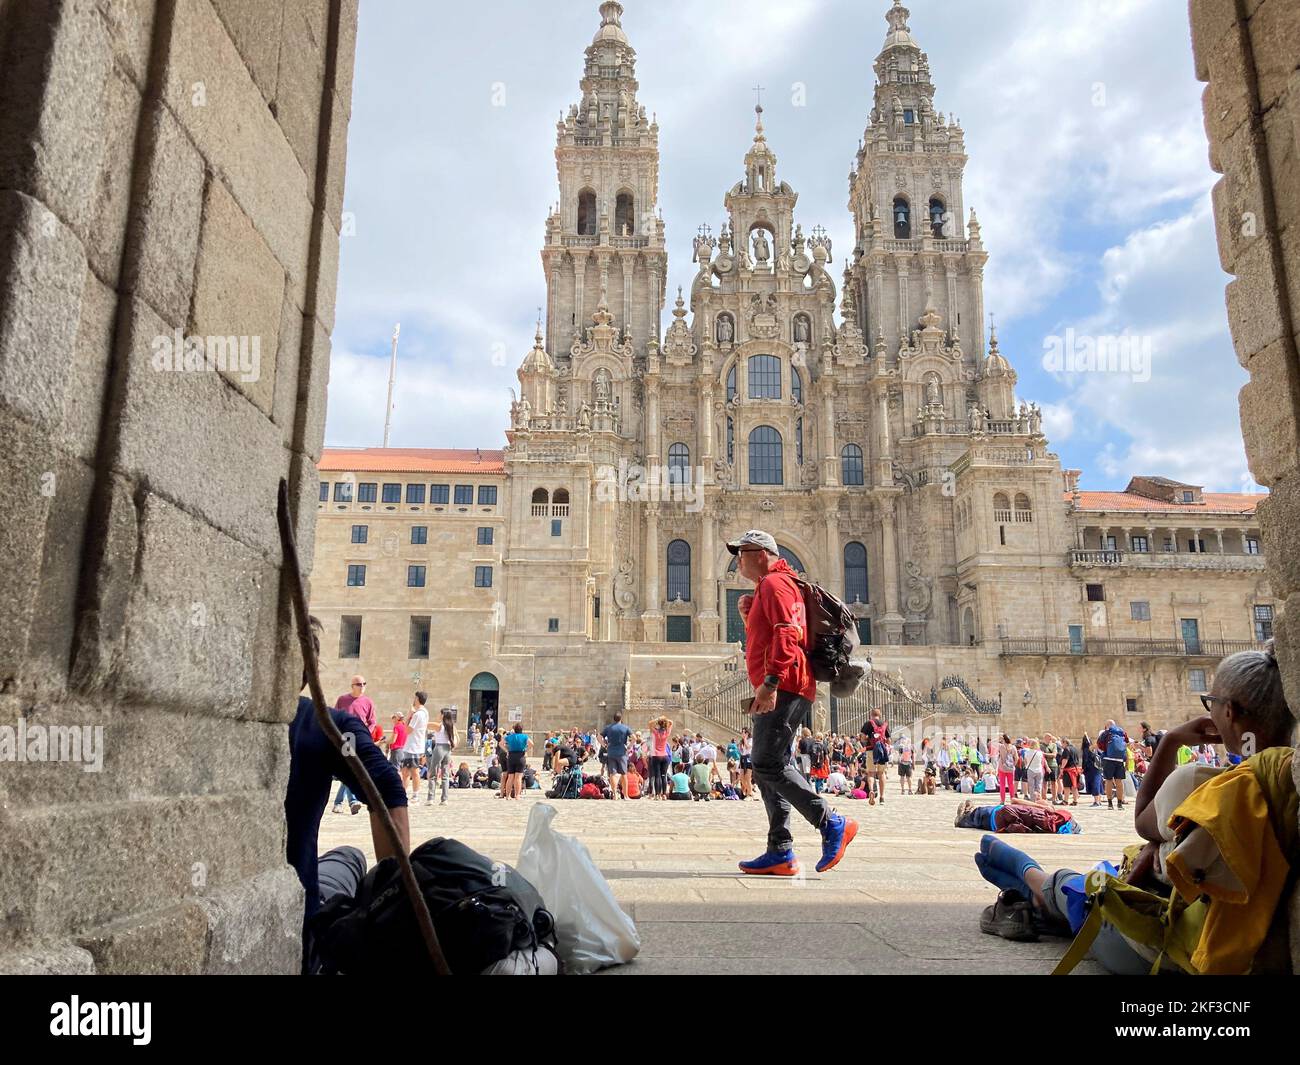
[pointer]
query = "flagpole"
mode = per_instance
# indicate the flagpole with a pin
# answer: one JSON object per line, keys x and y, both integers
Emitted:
{"x": 392, "y": 376}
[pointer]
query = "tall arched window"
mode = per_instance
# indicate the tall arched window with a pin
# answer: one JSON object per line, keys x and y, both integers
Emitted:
{"x": 902, "y": 218}
{"x": 765, "y": 456}
{"x": 796, "y": 384}
{"x": 560, "y": 503}
{"x": 679, "y": 464}
{"x": 679, "y": 571}
{"x": 851, "y": 465}
{"x": 764, "y": 377}
{"x": 624, "y": 222}
{"x": 731, "y": 383}
{"x": 587, "y": 221}
{"x": 937, "y": 211}
{"x": 1001, "y": 508}
{"x": 855, "y": 573}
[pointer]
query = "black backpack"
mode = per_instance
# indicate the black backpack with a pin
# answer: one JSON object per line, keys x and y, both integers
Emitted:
{"x": 482, "y": 911}
{"x": 818, "y": 755}
{"x": 831, "y": 639}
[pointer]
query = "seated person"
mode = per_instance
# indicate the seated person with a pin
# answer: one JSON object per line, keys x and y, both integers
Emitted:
{"x": 681, "y": 786}
{"x": 530, "y": 778}
{"x": 463, "y": 777}
{"x": 480, "y": 778}
{"x": 837, "y": 783}
{"x": 966, "y": 783}
{"x": 700, "y": 773}
{"x": 313, "y": 764}
{"x": 494, "y": 773}
{"x": 1229, "y": 836}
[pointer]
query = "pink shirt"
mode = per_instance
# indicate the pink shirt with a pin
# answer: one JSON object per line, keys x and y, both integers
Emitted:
{"x": 359, "y": 706}
{"x": 661, "y": 742}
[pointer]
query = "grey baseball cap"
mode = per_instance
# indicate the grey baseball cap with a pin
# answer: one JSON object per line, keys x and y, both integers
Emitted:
{"x": 756, "y": 537}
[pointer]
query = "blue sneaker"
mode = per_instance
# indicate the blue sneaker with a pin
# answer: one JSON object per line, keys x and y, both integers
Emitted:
{"x": 782, "y": 863}
{"x": 836, "y": 837}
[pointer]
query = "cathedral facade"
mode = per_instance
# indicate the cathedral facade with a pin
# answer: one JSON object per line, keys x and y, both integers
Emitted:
{"x": 855, "y": 408}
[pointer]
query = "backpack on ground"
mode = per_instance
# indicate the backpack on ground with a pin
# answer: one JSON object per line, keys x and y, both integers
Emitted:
{"x": 483, "y": 911}
{"x": 831, "y": 638}
{"x": 590, "y": 791}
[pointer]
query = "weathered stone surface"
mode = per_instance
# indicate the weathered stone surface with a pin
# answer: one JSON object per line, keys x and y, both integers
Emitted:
{"x": 1275, "y": 43}
{"x": 167, "y": 226}
{"x": 1271, "y": 434}
{"x": 89, "y": 370}
{"x": 43, "y": 270}
{"x": 302, "y": 74}
{"x": 170, "y": 943}
{"x": 255, "y": 27}
{"x": 1254, "y": 302}
{"x": 222, "y": 439}
{"x": 192, "y": 619}
{"x": 64, "y": 959}
{"x": 113, "y": 193}
{"x": 239, "y": 292}
{"x": 256, "y": 927}
{"x": 52, "y": 83}
{"x": 237, "y": 134}
{"x": 130, "y": 28}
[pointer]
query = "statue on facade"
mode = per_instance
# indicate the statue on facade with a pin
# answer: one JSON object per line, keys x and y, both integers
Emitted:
{"x": 932, "y": 392}
{"x": 801, "y": 331}
{"x": 1035, "y": 419}
{"x": 602, "y": 388}
{"x": 523, "y": 413}
{"x": 762, "y": 250}
{"x": 726, "y": 332}
{"x": 584, "y": 417}
{"x": 976, "y": 418}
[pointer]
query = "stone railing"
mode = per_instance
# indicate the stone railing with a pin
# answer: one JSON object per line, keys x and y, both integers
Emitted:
{"x": 1177, "y": 647}
{"x": 1198, "y": 560}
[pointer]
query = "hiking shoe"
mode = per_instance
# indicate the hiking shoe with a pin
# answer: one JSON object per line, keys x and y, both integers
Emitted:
{"x": 836, "y": 837}
{"x": 783, "y": 863}
{"x": 1011, "y": 917}
{"x": 355, "y": 807}
{"x": 962, "y": 811}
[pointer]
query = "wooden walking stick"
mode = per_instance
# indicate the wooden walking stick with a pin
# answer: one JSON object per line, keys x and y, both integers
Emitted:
{"x": 298, "y": 594}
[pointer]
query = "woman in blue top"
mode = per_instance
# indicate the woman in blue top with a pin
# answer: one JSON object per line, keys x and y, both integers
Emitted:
{"x": 681, "y": 785}
{"x": 518, "y": 745}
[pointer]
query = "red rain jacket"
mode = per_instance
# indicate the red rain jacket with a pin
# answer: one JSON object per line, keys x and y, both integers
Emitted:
{"x": 775, "y": 631}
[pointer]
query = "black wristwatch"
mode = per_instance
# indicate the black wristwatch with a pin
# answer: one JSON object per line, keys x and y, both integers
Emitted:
{"x": 771, "y": 681}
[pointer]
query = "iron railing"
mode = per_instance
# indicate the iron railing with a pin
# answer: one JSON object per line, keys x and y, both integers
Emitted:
{"x": 980, "y": 706}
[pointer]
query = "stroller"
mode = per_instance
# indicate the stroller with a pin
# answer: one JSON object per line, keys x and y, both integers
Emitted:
{"x": 567, "y": 785}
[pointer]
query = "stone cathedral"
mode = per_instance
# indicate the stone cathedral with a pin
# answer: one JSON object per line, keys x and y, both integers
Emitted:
{"x": 839, "y": 437}
{"x": 848, "y": 400}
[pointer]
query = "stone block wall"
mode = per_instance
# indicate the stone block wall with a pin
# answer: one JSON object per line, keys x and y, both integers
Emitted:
{"x": 1248, "y": 53}
{"x": 168, "y": 168}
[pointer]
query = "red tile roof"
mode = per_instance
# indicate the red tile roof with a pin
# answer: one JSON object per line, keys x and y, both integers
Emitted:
{"x": 412, "y": 460}
{"x": 1211, "y": 503}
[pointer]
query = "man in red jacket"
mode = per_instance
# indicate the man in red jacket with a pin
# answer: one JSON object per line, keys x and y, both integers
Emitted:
{"x": 784, "y": 688}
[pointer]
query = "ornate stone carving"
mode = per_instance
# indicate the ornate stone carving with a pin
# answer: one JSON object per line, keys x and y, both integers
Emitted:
{"x": 763, "y": 322}
{"x": 920, "y": 590}
{"x": 624, "y": 586}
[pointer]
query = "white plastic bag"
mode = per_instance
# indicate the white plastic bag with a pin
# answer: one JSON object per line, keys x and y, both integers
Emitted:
{"x": 592, "y": 930}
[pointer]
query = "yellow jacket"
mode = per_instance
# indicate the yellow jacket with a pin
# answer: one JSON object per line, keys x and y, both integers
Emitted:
{"x": 1239, "y": 841}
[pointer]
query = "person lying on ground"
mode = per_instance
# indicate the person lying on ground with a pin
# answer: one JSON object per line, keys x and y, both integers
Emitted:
{"x": 1017, "y": 816}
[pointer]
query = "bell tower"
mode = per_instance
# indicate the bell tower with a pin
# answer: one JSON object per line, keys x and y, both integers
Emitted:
{"x": 914, "y": 253}
{"x": 604, "y": 239}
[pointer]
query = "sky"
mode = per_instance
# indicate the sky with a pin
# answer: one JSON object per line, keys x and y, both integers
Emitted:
{"x": 1088, "y": 169}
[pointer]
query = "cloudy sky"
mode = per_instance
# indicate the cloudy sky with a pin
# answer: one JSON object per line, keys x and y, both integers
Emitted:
{"x": 1088, "y": 170}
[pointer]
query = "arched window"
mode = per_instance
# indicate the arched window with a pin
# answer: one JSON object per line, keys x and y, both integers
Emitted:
{"x": 937, "y": 211}
{"x": 541, "y": 502}
{"x": 851, "y": 465}
{"x": 764, "y": 377}
{"x": 560, "y": 503}
{"x": 902, "y": 219}
{"x": 855, "y": 573}
{"x": 1024, "y": 509}
{"x": 679, "y": 464}
{"x": 1001, "y": 508}
{"x": 587, "y": 220}
{"x": 765, "y": 456}
{"x": 796, "y": 384}
{"x": 624, "y": 222}
{"x": 679, "y": 571}
{"x": 731, "y": 383}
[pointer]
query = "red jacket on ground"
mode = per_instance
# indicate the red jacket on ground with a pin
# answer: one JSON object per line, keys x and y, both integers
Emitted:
{"x": 774, "y": 631}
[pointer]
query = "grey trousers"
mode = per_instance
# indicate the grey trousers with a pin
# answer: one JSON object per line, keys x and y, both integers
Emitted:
{"x": 782, "y": 785}
{"x": 440, "y": 760}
